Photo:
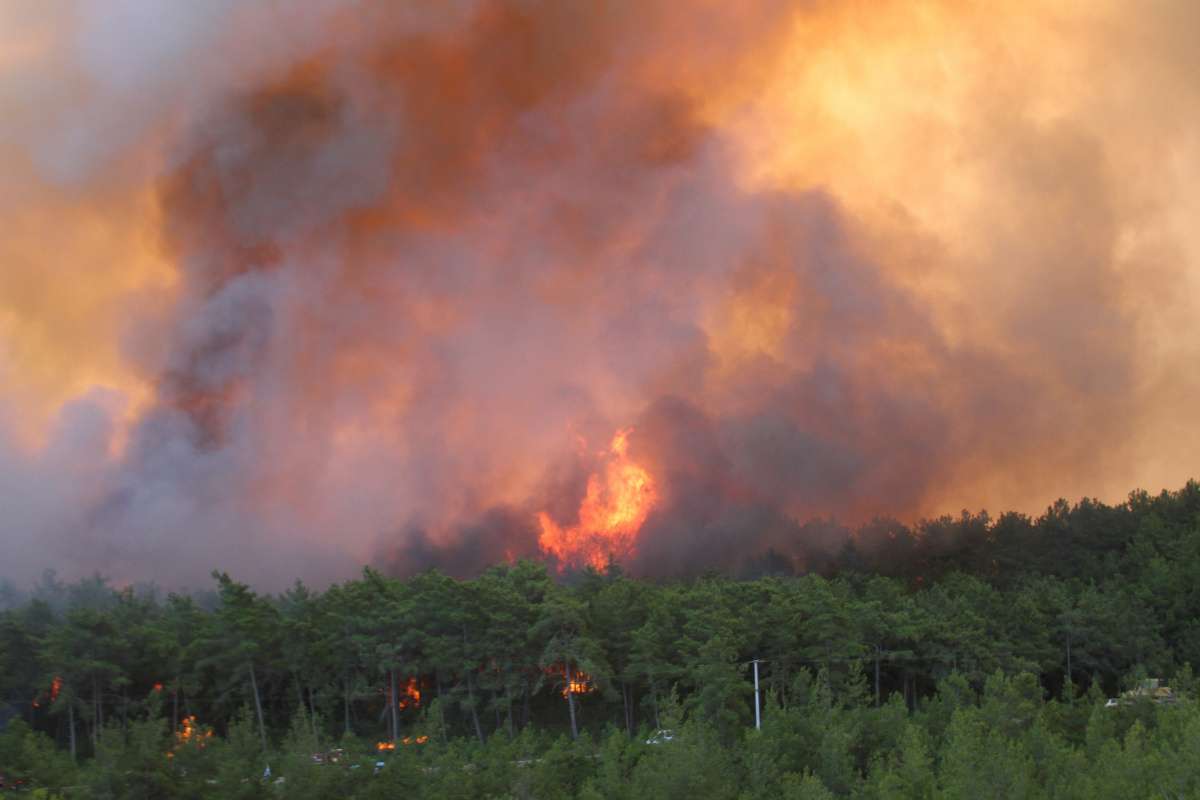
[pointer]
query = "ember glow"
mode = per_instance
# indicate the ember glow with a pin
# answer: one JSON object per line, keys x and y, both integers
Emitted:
{"x": 409, "y": 693}
{"x": 190, "y": 734}
{"x": 189, "y": 731}
{"x": 617, "y": 501}
{"x": 55, "y": 688}
{"x": 412, "y": 694}
{"x": 349, "y": 292}
{"x": 574, "y": 680}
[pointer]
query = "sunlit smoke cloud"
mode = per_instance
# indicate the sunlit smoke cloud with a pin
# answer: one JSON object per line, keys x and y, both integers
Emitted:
{"x": 288, "y": 292}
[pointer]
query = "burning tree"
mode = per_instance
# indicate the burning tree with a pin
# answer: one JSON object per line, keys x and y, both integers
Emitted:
{"x": 572, "y": 659}
{"x": 242, "y": 641}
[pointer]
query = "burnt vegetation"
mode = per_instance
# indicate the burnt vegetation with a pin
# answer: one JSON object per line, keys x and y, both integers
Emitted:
{"x": 961, "y": 657}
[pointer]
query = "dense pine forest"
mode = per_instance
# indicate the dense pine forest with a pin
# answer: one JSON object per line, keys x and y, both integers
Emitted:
{"x": 962, "y": 657}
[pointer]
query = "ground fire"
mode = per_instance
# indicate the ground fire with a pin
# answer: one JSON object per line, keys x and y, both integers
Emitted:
{"x": 617, "y": 502}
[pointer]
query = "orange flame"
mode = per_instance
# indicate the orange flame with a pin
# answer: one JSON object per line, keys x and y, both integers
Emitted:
{"x": 188, "y": 731}
{"x": 610, "y": 516}
{"x": 384, "y": 747}
{"x": 408, "y": 694}
{"x": 575, "y": 682}
{"x": 191, "y": 733}
{"x": 55, "y": 688}
{"x": 411, "y": 694}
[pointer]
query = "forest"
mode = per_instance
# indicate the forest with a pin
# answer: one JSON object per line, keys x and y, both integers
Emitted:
{"x": 959, "y": 657}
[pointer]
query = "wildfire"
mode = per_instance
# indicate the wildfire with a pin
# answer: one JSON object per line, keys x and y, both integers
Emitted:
{"x": 387, "y": 747}
{"x": 410, "y": 694}
{"x": 616, "y": 504}
{"x": 190, "y": 732}
{"x": 575, "y": 681}
{"x": 55, "y": 688}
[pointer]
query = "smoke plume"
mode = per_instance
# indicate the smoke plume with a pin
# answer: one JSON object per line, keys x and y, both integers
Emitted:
{"x": 286, "y": 290}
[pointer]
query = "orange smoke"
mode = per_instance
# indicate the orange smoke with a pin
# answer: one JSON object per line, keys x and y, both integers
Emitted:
{"x": 616, "y": 504}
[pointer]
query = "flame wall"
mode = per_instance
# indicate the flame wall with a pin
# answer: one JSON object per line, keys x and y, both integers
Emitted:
{"x": 291, "y": 288}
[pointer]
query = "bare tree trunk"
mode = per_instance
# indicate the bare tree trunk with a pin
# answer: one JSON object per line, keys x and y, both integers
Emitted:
{"x": 474, "y": 713}
{"x": 1069, "y": 668}
{"x": 571, "y": 705}
{"x": 654, "y": 704}
{"x": 877, "y": 654}
{"x": 96, "y": 721}
{"x": 262, "y": 725}
{"x": 508, "y": 702}
{"x": 312, "y": 714}
{"x": 437, "y": 679}
{"x": 300, "y": 695}
{"x": 175, "y": 706}
{"x": 71, "y": 725}
{"x": 346, "y": 702}
{"x": 392, "y": 703}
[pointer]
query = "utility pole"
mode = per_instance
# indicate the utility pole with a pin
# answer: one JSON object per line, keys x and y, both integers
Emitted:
{"x": 757, "y": 711}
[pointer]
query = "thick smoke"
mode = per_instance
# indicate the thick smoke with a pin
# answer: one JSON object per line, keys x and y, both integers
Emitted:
{"x": 375, "y": 282}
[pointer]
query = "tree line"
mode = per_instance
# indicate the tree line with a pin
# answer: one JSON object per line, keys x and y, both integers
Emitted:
{"x": 1053, "y": 614}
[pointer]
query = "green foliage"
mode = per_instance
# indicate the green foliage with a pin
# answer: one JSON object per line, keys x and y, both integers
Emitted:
{"x": 30, "y": 756}
{"x": 975, "y": 660}
{"x": 131, "y": 763}
{"x": 696, "y": 763}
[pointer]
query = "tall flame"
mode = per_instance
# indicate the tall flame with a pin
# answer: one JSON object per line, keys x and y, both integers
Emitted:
{"x": 611, "y": 514}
